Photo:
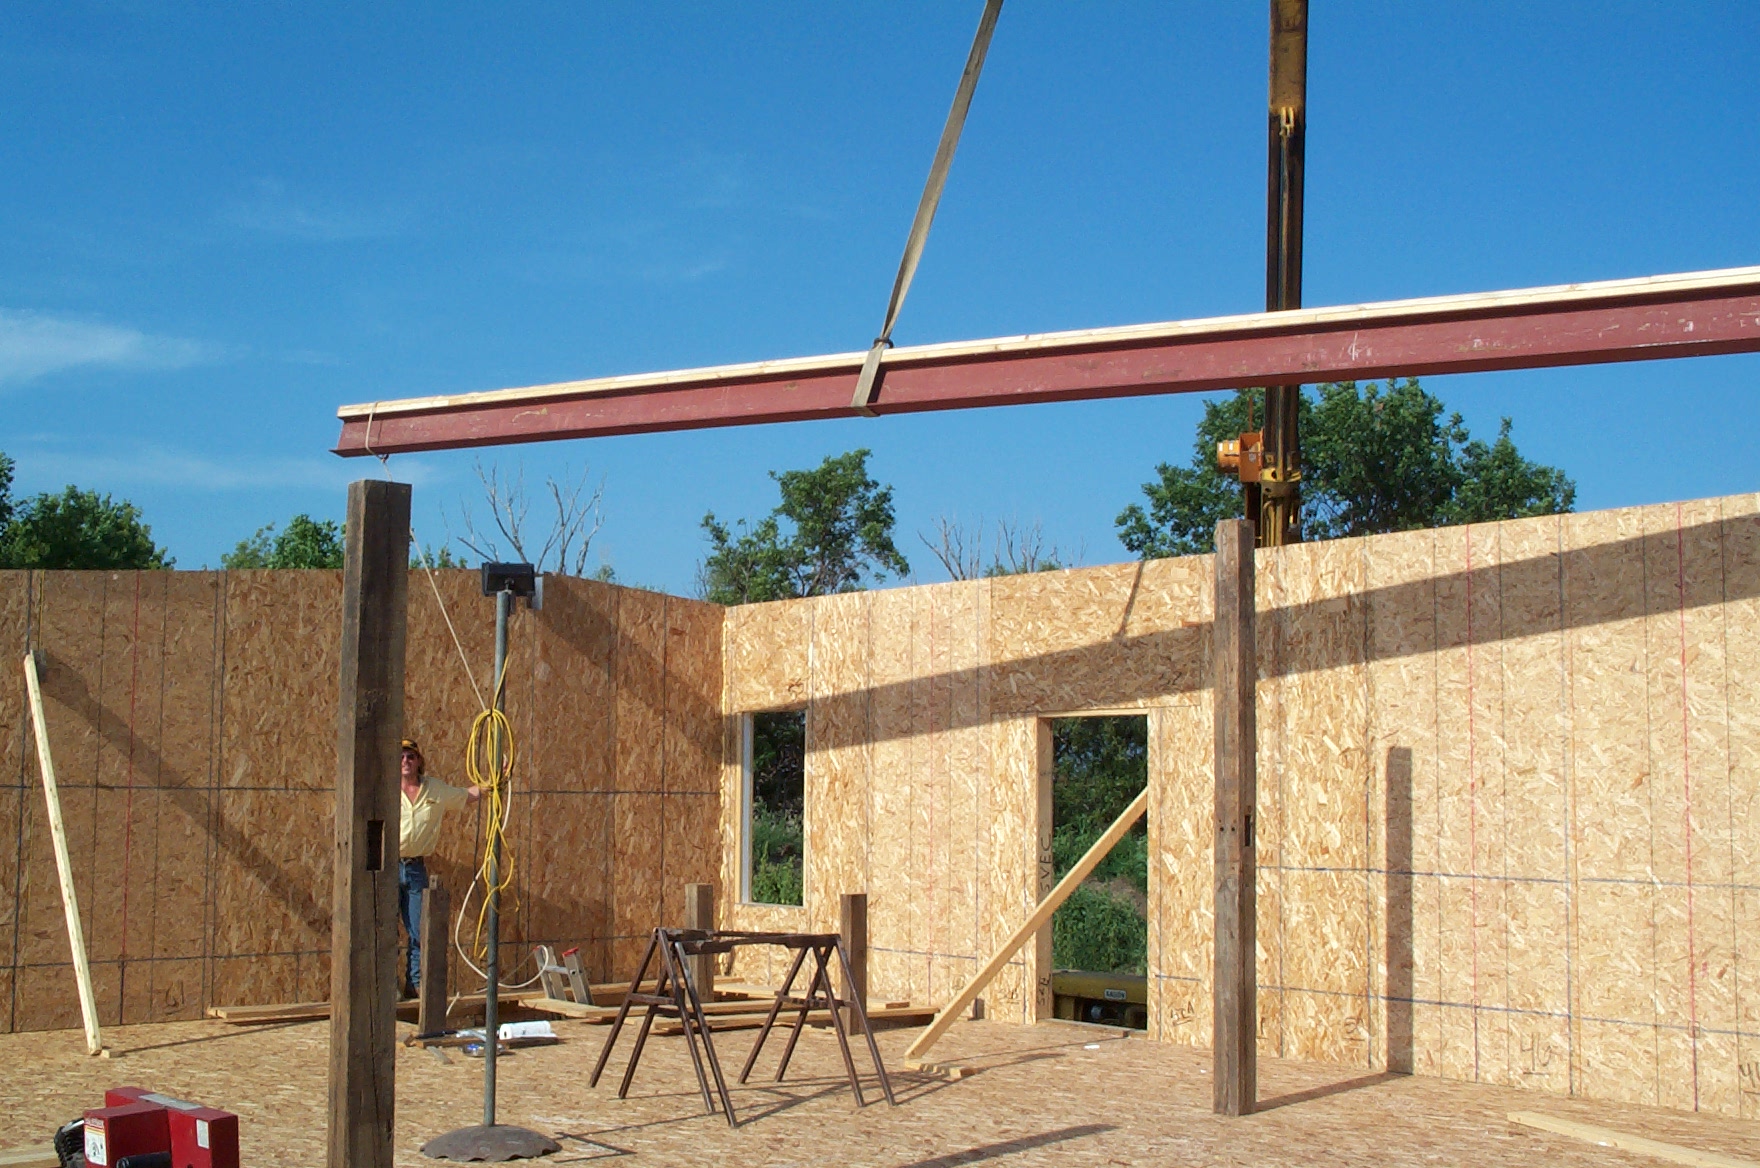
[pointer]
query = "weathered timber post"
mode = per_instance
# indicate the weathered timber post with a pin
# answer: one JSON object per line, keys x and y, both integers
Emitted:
{"x": 1234, "y": 670}
{"x": 853, "y": 928}
{"x": 699, "y": 913}
{"x": 436, "y": 912}
{"x": 369, "y": 725}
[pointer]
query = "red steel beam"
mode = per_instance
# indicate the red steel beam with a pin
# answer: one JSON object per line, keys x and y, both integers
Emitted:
{"x": 1689, "y": 315}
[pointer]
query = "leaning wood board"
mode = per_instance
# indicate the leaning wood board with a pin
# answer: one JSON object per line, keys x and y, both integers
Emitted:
{"x": 1101, "y": 849}
{"x": 76, "y": 938}
{"x": 1607, "y": 1137}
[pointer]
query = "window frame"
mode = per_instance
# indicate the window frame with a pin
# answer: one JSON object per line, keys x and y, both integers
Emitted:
{"x": 747, "y": 732}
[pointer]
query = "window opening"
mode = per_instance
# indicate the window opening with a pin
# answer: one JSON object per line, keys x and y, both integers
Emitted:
{"x": 1100, "y": 935}
{"x": 775, "y": 797}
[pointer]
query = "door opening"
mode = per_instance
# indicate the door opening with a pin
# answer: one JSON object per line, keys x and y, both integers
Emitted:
{"x": 1100, "y": 935}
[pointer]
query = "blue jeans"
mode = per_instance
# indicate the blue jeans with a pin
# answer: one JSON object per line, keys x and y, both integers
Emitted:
{"x": 412, "y": 881}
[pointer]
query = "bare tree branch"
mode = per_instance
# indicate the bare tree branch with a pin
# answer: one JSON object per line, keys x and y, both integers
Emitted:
{"x": 579, "y": 517}
{"x": 961, "y": 552}
{"x": 1017, "y": 549}
{"x": 1022, "y": 549}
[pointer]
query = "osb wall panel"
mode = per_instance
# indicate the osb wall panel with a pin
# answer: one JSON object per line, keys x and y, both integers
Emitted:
{"x": 923, "y": 710}
{"x": 1508, "y": 778}
{"x": 192, "y": 718}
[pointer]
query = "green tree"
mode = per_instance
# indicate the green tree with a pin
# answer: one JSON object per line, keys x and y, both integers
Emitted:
{"x": 832, "y": 532}
{"x": 1374, "y": 459}
{"x": 304, "y": 543}
{"x": 1101, "y": 763}
{"x": 779, "y": 788}
{"x": 5, "y": 494}
{"x": 76, "y": 529}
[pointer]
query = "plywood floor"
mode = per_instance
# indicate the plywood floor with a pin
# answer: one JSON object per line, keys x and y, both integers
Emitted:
{"x": 1053, "y": 1094}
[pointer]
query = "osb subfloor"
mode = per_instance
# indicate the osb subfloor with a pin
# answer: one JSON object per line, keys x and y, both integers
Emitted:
{"x": 1053, "y": 1094}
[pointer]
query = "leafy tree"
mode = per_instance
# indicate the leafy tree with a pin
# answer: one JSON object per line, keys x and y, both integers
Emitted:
{"x": 304, "y": 543}
{"x": 1100, "y": 766}
{"x": 779, "y": 787}
{"x": 832, "y": 532}
{"x": 79, "y": 529}
{"x": 1374, "y": 459}
{"x": 424, "y": 555}
{"x": 5, "y": 494}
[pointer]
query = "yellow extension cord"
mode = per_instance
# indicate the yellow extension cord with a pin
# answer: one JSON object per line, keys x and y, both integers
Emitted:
{"x": 492, "y": 737}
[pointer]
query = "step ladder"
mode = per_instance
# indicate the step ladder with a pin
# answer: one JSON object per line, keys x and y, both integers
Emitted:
{"x": 566, "y": 982}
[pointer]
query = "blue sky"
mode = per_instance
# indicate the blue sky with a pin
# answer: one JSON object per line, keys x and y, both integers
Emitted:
{"x": 221, "y": 222}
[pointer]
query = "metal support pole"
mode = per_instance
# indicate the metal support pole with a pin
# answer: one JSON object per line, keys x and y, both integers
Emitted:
{"x": 491, "y": 1141}
{"x": 492, "y": 993}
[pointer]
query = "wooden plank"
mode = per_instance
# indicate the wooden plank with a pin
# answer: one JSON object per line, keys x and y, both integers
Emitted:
{"x": 572, "y": 1009}
{"x": 1696, "y": 313}
{"x": 43, "y": 1157}
{"x": 258, "y": 1015}
{"x": 1235, "y": 672}
{"x": 1608, "y": 1138}
{"x": 436, "y": 940}
{"x": 1040, "y": 916}
{"x": 907, "y": 1015}
{"x": 369, "y": 724}
{"x": 699, "y": 913}
{"x": 407, "y": 1011}
{"x": 76, "y": 938}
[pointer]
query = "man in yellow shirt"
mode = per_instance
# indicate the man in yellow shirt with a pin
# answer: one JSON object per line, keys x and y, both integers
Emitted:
{"x": 425, "y": 802}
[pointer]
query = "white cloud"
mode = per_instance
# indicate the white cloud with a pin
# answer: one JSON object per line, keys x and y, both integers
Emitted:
{"x": 34, "y": 344}
{"x": 272, "y": 210}
{"x": 163, "y": 467}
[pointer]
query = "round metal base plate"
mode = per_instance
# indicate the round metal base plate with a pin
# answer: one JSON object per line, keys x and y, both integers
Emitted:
{"x": 492, "y": 1144}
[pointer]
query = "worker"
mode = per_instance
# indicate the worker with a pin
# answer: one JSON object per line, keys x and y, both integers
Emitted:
{"x": 425, "y": 802}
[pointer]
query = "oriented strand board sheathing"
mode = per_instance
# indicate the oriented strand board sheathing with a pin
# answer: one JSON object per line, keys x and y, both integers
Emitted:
{"x": 18, "y": 766}
{"x": 1489, "y": 758}
{"x": 641, "y": 691}
{"x": 1181, "y": 838}
{"x": 1403, "y": 817}
{"x": 1095, "y": 638}
{"x": 837, "y": 756}
{"x": 279, "y": 726}
{"x": 693, "y": 699}
{"x": 202, "y": 706}
{"x": 1314, "y": 775}
{"x": 894, "y": 909}
{"x": 1468, "y": 852}
{"x": 766, "y": 651}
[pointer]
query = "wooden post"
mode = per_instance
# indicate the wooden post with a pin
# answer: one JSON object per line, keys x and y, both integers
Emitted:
{"x": 853, "y": 927}
{"x": 435, "y": 937}
{"x": 76, "y": 937}
{"x": 369, "y": 725}
{"x": 699, "y": 913}
{"x": 1234, "y": 672}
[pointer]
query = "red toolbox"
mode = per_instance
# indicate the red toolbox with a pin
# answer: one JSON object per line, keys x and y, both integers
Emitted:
{"x": 197, "y": 1136}
{"x": 127, "y": 1130}
{"x": 203, "y": 1137}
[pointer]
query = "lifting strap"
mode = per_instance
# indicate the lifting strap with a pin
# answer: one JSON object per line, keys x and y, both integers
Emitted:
{"x": 913, "y": 248}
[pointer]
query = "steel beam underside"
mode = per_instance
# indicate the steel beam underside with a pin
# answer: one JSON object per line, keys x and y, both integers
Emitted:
{"x": 1685, "y": 323}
